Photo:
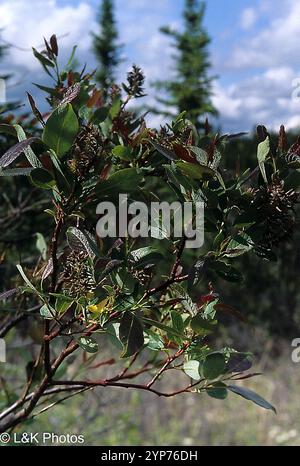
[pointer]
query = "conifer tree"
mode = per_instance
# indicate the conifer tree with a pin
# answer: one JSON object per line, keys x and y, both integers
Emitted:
{"x": 106, "y": 46}
{"x": 190, "y": 87}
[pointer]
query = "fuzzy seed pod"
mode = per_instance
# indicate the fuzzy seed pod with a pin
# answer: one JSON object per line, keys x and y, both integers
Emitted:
{"x": 277, "y": 206}
{"x": 77, "y": 275}
{"x": 85, "y": 150}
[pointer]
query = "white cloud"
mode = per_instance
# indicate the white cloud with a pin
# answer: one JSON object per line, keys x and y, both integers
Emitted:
{"x": 26, "y": 23}
{"x": 248, "y": 18}
{"x": 267, "y": 53}
{"x": 262, "y": 99}
{"x": 276, "y": 43}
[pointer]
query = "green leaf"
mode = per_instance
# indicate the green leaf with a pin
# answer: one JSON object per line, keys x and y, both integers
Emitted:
{"x": 42, "y": 58}
{"x": 41, "y": 245}
{"x": 177, "y": 321}
{"x": 50, "y": 90}
{"x": 112, "y": 331}
{"x": 7, "y": 129}
{"x": 62, "y": 304}
{"x": 227, "y": 272}
{"x": 202, "y": 326}
{"x": 239, "y": 245}
{"x": 213, "y": 365}
{"x": 131, "y": 334}
{"x": 195, "y": 171}
{"x": 210, "y": 309}
{"x": 155, "y": 342}
{"x": 164, "y": 151}
{"x": 88, "y": 344}
{"x": 42, "y": 178}
{"x": 122, "y": 152}
{"x": 146, "y": 255}
{"x": 122, "y": 181}
{"x": 251, "y": 396}
{"x": 26, "y": 280}
{"x": 218, "y": 390}
{"x": 30, "y": 155}
{"x": 200, "y": 154}
{"x": 47, "y": 312}
{"x": 263, "y": 151}
{"x": 71, "y": 58}
{"x": 60, "y": 129}
{"x": 165, "y": 328}
{"x": 100, "y": 115}
{"x": 179, "y": 291}
{"x": 115, "y": 108}
{"x": 62, "y": 182}
{"x": 191, "y": 368}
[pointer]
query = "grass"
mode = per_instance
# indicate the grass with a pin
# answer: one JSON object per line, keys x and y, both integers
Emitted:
{"x": 122, "y": 417}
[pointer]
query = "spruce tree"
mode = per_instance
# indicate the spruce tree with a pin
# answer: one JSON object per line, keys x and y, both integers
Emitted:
{"x": 190, "y": 87}
{"x": 106, "y": 46}
{"x": 3, "y": 49}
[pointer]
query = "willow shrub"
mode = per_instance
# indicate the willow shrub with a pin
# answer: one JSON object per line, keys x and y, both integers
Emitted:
{"x": 138, "y": 297}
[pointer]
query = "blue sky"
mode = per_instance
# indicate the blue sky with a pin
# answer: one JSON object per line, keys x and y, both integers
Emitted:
{"x": 254, "y": 49}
